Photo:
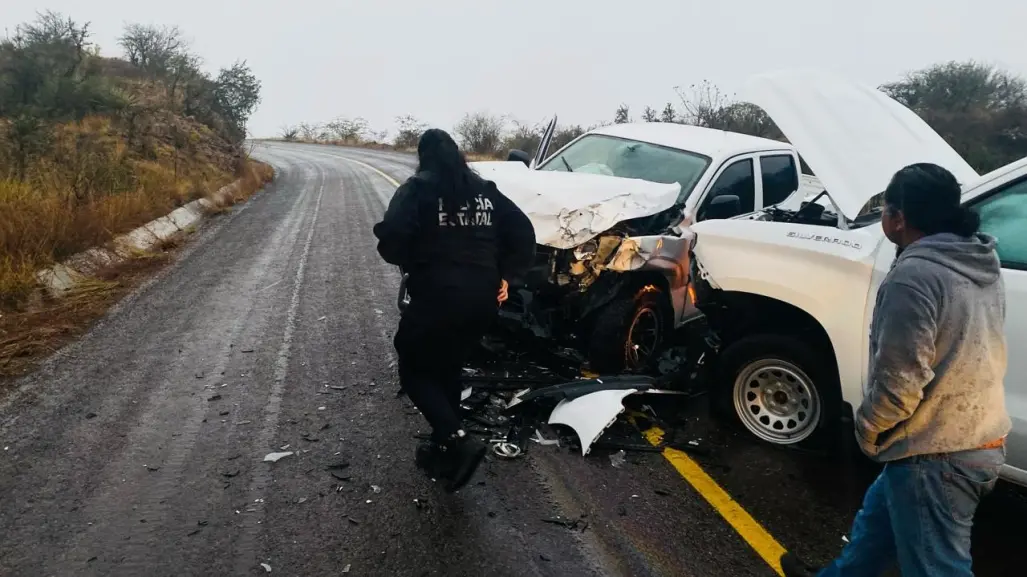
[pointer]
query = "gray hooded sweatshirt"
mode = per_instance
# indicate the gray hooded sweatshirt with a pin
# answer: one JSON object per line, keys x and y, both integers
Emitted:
{"x": 937, "y": 352}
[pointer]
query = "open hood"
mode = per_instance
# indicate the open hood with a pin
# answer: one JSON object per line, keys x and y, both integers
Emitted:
{"x": 568, "y": 208}
{"x": 854, "y": 137}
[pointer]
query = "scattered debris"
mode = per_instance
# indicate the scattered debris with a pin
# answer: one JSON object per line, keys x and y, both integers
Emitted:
{"x": 275, "y": 457}
{"x": 538, "y": 438}
{"x": 309, "y": 437}
{"x": 246, "y": 351}
{"x": 618, "y": 459}
{"x": 322, "y": 318}
{"x": 232, "y": 473}
{"x": 215, "y": 398}
{"x": 376, "y": 489}
{"x": 321, "y": 408}
{"x": 352, "y": 520}
{"x": 661, "y": 492}
{"x": 223, "y": 413}
{"x": 244, "y": 422}
{"x": 346, "y": 568}
{"x": 90, "y": 415}
{"x": 284, "y": 447}
{"x": 575, "y": 524}
{"x": 337, "y": 387}
{"x": 266, "y": 567}
{"x": 151, "y": 468}
{"x": 301, "y": 500}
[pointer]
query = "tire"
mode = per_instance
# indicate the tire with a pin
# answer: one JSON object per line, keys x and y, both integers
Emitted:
{"x": 613, "y": 345}
{"x": 778, "y": 389}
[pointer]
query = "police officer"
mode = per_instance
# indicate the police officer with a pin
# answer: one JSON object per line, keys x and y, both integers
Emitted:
{"x": 460, "y": 241}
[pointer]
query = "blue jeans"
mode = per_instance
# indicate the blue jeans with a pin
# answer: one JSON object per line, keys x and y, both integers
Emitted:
{"x": 918, "y": 515}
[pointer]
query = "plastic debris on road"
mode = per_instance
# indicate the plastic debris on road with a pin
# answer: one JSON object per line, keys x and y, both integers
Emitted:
{"x": 275, "y": 457}
{"x": 266, "y": 567}
{"x": 618, "y": 459}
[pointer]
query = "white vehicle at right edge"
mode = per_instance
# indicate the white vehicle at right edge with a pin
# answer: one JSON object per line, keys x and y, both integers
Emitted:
{"x": 791, "y": 292}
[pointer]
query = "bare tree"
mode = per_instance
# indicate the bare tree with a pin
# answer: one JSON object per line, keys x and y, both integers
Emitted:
{"x": 669, "y": 114}
{"x": 650, "y": 114}
{"x": 705, "y": 105}
{"x": 410, "y": 130}
{"x": 348, "y": 130}
{"x": 289, "y": 133}
{"x": 153, "y": 48}
{"x": 310, "y": 132}
{"x": 480, "y": 133}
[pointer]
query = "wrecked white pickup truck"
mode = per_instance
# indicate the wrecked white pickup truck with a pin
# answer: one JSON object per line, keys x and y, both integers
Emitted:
{"x": 611, "y": 211}
{"x": 792, "y": 292}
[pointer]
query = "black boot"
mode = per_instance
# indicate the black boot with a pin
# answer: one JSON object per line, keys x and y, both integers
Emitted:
{"x": 463, "y": 455}
{"x": 792, "y": 566}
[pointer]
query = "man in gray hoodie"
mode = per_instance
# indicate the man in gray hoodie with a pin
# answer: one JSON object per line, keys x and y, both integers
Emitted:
{"x": 934, "y": 410}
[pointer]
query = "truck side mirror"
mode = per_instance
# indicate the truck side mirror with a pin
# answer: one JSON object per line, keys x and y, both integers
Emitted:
{"x": 723, "y": 206}
{"x": 519, "y": 155}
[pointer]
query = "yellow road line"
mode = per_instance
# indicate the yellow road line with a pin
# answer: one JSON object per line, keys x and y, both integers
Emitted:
{"x": 754, "y": 534}
{"x": 391, "y": 180}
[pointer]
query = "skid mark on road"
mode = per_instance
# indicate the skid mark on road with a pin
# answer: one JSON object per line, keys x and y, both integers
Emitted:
{"x": 754, "y": 534}
{"x": 246, "y": 550}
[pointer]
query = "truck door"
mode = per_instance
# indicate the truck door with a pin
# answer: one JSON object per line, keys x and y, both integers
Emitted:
{"x": 1004, "y": 215}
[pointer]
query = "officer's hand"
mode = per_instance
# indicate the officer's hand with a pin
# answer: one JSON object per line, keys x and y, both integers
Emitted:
{"x": 503, "y": 291}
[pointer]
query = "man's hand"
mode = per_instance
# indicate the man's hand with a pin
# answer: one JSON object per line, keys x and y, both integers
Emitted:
{"x": 503, "y": 292}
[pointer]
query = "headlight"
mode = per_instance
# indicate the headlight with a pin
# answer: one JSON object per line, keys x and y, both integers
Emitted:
{"x": 586, "y": 250}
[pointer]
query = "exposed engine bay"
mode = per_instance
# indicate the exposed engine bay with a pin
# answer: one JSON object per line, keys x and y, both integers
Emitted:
{"x": 565, "y": 286}
{"x": 817, "y": 213}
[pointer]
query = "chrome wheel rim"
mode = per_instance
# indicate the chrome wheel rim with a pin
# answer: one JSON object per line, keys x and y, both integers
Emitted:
{"x": 777, "y": 401}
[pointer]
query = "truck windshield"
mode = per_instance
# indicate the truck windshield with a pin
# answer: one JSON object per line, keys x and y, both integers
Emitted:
{"x": 600, "y": 154}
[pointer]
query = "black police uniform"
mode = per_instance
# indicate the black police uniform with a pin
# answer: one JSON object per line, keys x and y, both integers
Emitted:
{"x": 456, "y": 260}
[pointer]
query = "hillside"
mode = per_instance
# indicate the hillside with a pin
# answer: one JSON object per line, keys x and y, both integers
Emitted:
{"x": 93, "y": 146}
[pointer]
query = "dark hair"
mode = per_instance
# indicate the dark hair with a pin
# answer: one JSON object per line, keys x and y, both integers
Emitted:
{"x": 928, "y": 196}
{"x": 440, "y": 157}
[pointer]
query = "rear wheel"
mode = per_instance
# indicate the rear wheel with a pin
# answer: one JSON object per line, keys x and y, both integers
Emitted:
{"x": 779, "y": 389}
{"x": 630, "y": 332}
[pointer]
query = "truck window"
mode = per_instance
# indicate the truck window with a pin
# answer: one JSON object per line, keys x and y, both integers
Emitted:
{"x": 780, "y": 179}
{"x": 737, "y": 179}
{"x": 1004, "y": 216}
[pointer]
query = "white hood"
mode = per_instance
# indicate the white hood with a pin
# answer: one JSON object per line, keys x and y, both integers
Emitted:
{"x": 568, "y": 209}
{"x": 855, "y": 138}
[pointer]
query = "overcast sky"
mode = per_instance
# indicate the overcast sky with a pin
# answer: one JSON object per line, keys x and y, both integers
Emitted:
{"x": 529, "y": 59}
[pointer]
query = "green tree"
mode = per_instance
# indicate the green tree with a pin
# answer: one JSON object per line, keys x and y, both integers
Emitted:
{"x": 622, "y": 115}
{"x": 979, "y": 110}
{"x": 237, "y": 93}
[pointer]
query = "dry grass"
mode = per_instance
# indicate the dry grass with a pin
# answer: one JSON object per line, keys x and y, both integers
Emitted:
{"x": 40, "y": 324}
{"x": 87, "y": 190}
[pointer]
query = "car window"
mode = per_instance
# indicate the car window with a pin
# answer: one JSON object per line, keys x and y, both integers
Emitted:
{"x": 736, "y": 179}
{"x": 1004, "y": 216}
{"x": 780, "y": 179}
{"x": 600, "y": 154}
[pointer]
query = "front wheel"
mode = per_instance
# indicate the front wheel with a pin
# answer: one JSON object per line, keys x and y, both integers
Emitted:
{"x": 630, "y": 332}
{"x": 779, "y": 389}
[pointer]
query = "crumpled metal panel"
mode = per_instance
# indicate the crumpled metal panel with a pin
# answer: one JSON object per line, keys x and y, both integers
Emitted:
{"x": 568, "y": 209}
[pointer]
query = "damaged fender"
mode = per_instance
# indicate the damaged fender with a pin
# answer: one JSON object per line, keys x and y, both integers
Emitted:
{"x": 591, "y": 414}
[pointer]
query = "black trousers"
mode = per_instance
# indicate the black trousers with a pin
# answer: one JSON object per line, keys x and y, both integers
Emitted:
{"x": 437, "y": 332}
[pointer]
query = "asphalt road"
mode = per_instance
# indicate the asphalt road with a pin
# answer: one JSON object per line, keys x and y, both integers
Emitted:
{"x": 139, "y": 449}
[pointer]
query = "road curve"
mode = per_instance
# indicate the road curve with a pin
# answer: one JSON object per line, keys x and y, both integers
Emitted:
{"x": 139, "y": 449}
